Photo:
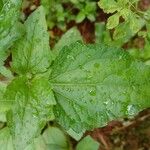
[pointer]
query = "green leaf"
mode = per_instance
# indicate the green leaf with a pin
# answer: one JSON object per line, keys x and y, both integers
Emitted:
{"x": 99, "y": 32}
{"x": 122, "y": 34}
{"x": 47, "y": 4}
{"x": 136, "y": 24}
{"x": 133, "y": 22}
{"x": 31, "y": 53}
{"x": 10, "y": 28}
{"x": 87, "y": 144}
{"x": 126, "y": 14}
{"x": 102, "y": 34}
{"x": 80, "y": 17}
{"x": 109, "y": 6}
{"x": 91, "y": 17}
{"x": 113, "y": 21}
{"x": 5, "y": 139}
{"x": 7, "y": 144}
{"x": 123, "y": 3}
{"x": 95, "y": 84}
{"x": 90, "y": 7}
{"x": 71, "y": 36}
{"x": 55, "y": 139}
{"x": 32, "y": 105}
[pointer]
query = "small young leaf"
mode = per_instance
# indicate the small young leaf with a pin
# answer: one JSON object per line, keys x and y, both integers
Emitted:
{"x": 31, "y": 53}
{"x": 80, "y": 17}
{"x": 90, "y": 7}
{"x": 122, "y": 33}
{"x": 55, "y": 139}
{"x": 113, "y": 21}
{"x": 87, "y": 144}
{"x": 91, "y": 17}
{"x": 71, "y": 36}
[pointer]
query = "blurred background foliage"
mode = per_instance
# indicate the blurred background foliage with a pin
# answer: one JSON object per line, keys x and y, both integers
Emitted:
{"x": 121, "y": 23}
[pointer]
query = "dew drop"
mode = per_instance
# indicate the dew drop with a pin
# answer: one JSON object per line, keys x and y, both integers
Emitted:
{"x": 106, "y": 102}
{"x": 132, "y": 110}
{"x": 93, "y": 93}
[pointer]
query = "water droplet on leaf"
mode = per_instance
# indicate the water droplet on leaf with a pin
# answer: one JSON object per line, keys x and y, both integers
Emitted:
{"x": 93, "y": 93}
{"x": 132, "y": 110}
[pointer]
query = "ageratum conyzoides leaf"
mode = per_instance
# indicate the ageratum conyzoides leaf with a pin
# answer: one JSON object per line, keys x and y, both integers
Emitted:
{"x": 31, "y": 53}
{"x": 94, "y": 84}
{"x": 32, "y": 106}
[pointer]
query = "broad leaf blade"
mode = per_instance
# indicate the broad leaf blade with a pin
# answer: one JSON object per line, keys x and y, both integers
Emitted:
{"x": 95, "y": 84}
{"x": 32, "y": 52}
{"x": 32, "y": 106}
{"x": 7, "y": 144}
